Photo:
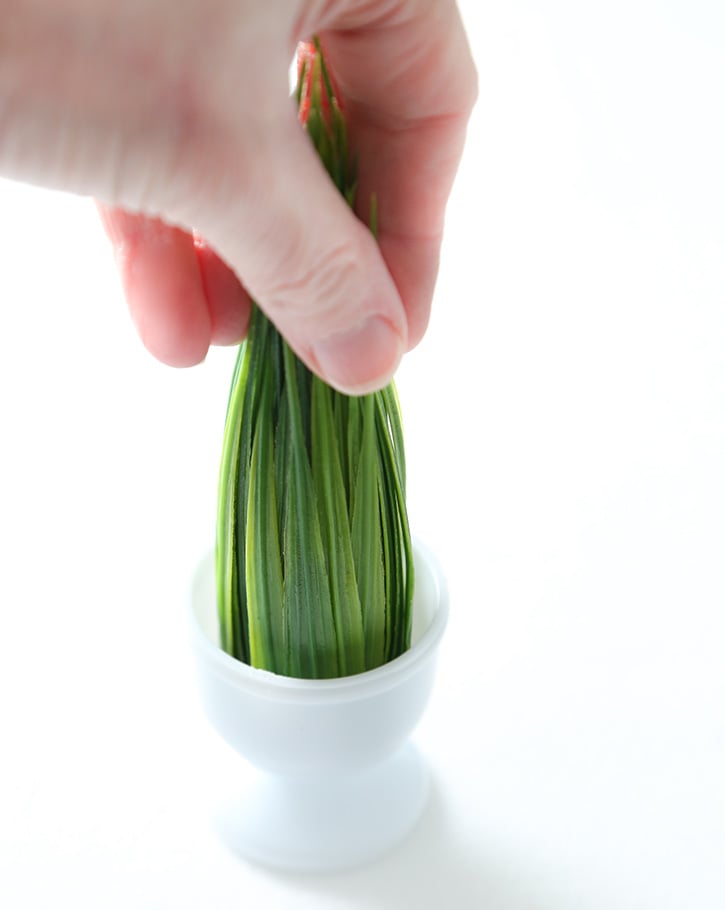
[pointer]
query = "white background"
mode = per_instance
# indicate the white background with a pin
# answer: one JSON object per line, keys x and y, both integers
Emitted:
{"x": 565, "y": 421}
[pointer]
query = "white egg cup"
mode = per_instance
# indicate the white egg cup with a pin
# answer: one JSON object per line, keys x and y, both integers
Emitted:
{"x": 336, "y": 784}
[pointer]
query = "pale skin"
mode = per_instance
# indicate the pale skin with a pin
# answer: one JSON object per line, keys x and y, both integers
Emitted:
{"x": 175, "y": 115}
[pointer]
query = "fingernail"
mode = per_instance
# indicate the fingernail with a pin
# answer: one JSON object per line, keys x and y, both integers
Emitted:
{"x": 361, "y": 359}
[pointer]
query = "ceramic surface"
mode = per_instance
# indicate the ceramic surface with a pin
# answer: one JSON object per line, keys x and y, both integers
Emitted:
{"x": 337, "y": 784}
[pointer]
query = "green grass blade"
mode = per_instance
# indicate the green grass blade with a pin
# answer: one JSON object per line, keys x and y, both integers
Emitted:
{"x": 265, "y": 591}
{"x": 234, "y": 486}
{"x": 401, "y": 568}
{"x": 312, "y": 642}
{"x": 354, "y": 441}
{"x": 390, "y": 403}
{"x": 366, "y": 538}
{"x": 340, "y": 412}
{"x": 226, "y": 565}
{"x": 335, "y": 527}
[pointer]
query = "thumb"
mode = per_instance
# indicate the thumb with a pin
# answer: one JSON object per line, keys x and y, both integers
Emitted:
{"x": 310, "y": 264}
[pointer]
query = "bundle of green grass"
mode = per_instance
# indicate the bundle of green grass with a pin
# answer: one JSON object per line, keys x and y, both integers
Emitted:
{"x": 313, "y": 555}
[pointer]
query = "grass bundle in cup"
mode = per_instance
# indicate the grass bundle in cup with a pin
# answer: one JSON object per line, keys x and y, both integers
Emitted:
{"x": 313, "y": 555}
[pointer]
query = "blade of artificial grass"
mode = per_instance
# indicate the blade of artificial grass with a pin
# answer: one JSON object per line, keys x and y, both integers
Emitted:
{"x": 301, "y": 83}
{"x": 320, "y": 60}
{"x": 394, "y": 475}
{"x": 330, "y": 137}
{"x": 353, "y": 438}
{"x": 394, "y": 571}
{"x": 260, "y": 340}
{"x": 267, "y": 645}
{"x": 387, "y": 524}
{"x": 282, "y": 447}
{"x": 311, "y": 638}
{"x": 391, "y": 404}
{"x": 340, "y": 414}
{"x": 303, "y": 392}
{"x": 373, "y": 221}
{"x": 390, "y": 531}
{"x": 226, "y": 568}
{"x": 234, "y": 488}
{"x": 366, "y": 538}
{"x": 335, "y": 526}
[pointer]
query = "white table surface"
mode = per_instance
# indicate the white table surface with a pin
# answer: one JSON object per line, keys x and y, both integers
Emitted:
{"x": 566, "y": 441}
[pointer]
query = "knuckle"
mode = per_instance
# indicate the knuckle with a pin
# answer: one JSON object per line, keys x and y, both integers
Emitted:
{"x": 317, "y": 282}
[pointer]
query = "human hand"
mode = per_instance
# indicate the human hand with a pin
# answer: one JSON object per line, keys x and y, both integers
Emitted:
{"x": 176, "y": 115}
